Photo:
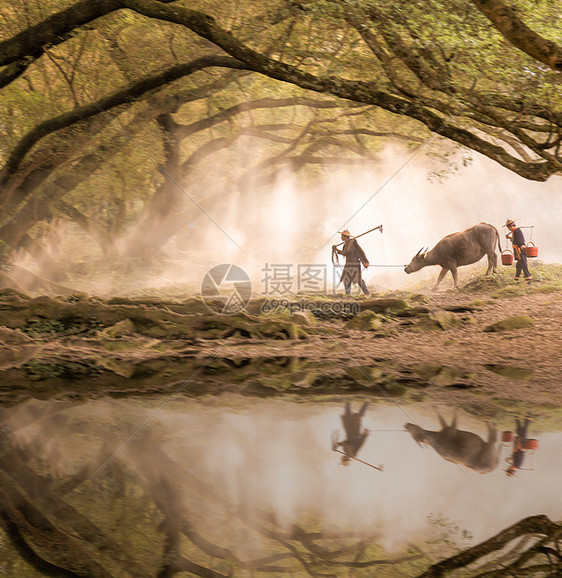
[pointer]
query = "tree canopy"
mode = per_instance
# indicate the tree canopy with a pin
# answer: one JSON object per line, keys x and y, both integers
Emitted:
{"x": 136, "y": 99}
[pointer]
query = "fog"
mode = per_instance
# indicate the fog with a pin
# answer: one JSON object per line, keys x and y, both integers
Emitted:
{"x": 295, "y": 221}
{"x": 292, "y": 223}
{"x": 276, "y": 456}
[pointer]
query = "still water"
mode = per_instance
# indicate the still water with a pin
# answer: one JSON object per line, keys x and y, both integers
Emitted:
{"x": 236, "y": 485}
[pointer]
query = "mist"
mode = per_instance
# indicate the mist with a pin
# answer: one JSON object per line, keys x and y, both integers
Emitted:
{"x": 276, "y": 456}
{"x": 295, "y": 221}
{"x": 292, "y": 224}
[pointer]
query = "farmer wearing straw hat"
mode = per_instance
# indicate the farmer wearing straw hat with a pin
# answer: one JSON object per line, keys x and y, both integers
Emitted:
{"x": 519, "y": 250}
{"x": 354, "y": 257}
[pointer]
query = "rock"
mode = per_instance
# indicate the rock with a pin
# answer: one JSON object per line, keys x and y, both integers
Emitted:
{"x": 417, "y": 310}
{"x": 444, "y": 319}
{"x": 426, "y": 371}
{"x": 518, "y": 373}
{"x": 120, "y": 329}
{"x": 258, "y": 306}
{"x": 447, "y": 376}
{"x": 13, "y": 336}
{"x": 16, "y": 356}
{"x": 390, "y": 305}
{"x": 12, "y": 294}
{"x": 437, "y": 320}
{"x": 303, "y": 318}
{"x": 426, "y": 324}
{"x": 366, "y": 375}
{"x": 120, "y": 367}
{"x": 365, "y": 321}
{"x": 510, "y": 323}
{"x": 441, "y": 375}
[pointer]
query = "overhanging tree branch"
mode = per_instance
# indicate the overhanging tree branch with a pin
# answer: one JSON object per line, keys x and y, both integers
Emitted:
{"x": 358, "y": 91}
{"x": 506, "y": 20}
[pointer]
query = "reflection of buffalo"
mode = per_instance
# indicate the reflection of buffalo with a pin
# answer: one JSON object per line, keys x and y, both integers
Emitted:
{"x": 457, "y": 249}
{"x": 460, "y": 447}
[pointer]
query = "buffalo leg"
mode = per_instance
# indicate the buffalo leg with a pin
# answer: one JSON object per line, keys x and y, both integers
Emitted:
{"x": 492, "y": 263}
{"x": 442, "y": 274}
{"x": 455, "y": 277}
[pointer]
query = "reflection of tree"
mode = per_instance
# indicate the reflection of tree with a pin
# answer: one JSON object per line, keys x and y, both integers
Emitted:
{"x": 141, "y": 513}
{"x": 136, "y": 511}
{"x": 536, "y": 552}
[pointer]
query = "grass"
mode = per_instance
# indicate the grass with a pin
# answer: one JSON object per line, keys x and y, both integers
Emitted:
{"x": 547, "y": 278}
{"x": 503, "y": 412}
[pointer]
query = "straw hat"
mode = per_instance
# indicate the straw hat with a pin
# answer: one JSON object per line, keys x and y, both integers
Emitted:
{"x": 509, "y": 222}
{"x": 345, "y": 232}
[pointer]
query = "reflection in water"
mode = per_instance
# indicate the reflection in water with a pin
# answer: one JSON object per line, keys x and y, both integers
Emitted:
{"x": 231, "y": 485}
{"x": 521, "y": 445}
{"x": 354, "y": 436}
{"x": 461, "y": 447}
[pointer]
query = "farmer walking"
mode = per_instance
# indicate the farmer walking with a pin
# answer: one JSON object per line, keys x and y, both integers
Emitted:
{"x": 354, "y": 257}
{"x": 519, "y": 250}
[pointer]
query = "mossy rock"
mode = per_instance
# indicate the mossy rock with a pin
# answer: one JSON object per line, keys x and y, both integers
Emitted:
{"x": 303, "y": 319}
{"x": 257, "y": 306}
{"x": 365, "y": 373}
{"x": 365, "y": 321}
{"x": 449, "y": 376}
{"x": 426, "y": 324}
{"x": 120, "y": 329}
{"x": 441, "y": 375}
{"x": 13, "y": 336}
{"x": 12, "y": 294}
{"x": 257, "y": 388}
{"x": 445, "y": 319}
{"x": 15, "y": 356}
{"x": 427, "y": 371}
{"x": 510, "y": 323}
{"x": 517, "y": 373}
{"x": 438, "y": 320}
{"x": 389, "y": 305}
{"x": 120, "y": 367}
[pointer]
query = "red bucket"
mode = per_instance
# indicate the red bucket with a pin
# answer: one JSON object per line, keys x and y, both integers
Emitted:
{"x": 507, "y": 436}
{"x": 507, "y": 257}
{"x": 532, "y": 250}
{"x": 531, "y": 444}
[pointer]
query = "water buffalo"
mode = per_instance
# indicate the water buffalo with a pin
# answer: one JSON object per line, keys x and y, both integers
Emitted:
{"x": 461, "y": 447}
{"x": 457, "y": 249}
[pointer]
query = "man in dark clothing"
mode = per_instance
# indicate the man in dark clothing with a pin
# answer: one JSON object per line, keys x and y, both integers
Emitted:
{"x": 519, "y": 250}
{"x": 516, "y": 459}
{"x": 355, "y": 438}
{"x": 354, "y": 257}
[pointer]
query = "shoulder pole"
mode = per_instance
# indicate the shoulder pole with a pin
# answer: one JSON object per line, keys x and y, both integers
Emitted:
{"x": 358, "y": 460}
{"x": 357, "y": 237}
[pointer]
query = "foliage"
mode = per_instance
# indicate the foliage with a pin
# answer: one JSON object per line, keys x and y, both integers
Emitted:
{"x": 113, "y": 122}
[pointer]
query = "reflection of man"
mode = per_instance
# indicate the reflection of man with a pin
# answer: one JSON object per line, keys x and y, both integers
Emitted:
{"x": 355, "y": 438}
{"x": 354, "y": 257}
{"x": 518, "y": 454}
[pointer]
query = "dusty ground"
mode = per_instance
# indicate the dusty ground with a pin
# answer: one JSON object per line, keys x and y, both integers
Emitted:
{"x": 71, "y": 348}
{"x": 466, "y": 348}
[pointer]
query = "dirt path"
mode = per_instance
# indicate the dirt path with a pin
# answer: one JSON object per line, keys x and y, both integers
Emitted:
{"x": 461, "y": 364}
